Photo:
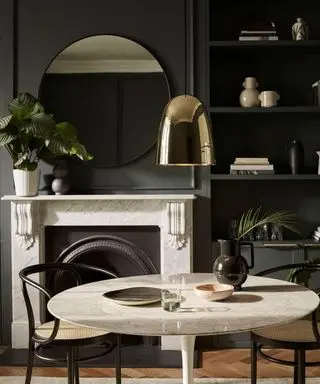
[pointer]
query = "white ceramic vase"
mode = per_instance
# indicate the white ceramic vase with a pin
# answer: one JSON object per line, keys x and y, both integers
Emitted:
{"x": 249, "y": 97}
{"x": 318, "y": 153}
{"x": 26, "y": 183}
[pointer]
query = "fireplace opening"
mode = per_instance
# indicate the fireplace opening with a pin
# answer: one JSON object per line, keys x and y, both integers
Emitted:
{"x": 123, "y": 251}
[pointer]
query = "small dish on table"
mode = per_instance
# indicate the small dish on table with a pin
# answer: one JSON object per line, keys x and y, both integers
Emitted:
{"x": 213, "y": 292}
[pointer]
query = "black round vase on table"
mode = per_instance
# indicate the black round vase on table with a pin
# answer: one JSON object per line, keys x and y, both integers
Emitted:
{"x": 231, "y": 267}
{"x": 296, "y": 157}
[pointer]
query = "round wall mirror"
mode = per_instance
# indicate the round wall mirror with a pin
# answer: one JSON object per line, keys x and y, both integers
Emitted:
{"x": 113, "y": 91}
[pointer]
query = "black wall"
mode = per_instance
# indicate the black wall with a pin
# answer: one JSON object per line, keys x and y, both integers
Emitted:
{"x": 32, "y": 33}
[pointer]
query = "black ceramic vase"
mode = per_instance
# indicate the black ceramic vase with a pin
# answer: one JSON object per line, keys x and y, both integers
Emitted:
{"x": 230, "y": 267}
{"x": 296, "y": 157}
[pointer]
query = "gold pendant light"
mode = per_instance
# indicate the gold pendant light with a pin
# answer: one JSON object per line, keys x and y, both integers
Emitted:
{"x": 185, "y": 136}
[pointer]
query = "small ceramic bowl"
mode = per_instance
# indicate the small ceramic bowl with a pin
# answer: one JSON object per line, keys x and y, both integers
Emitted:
{"x": 213, "y": 292}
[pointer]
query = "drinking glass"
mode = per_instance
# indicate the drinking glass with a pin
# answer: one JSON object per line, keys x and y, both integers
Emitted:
{"x": 170, "y": 299}
{"x": 276, "y": 232}
{"x": 171, "y": 295}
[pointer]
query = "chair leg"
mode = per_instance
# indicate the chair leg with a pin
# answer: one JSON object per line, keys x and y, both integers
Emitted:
{"x": 254, "y": 350}
{"x": 30, "y": 362}
{"x": 76, "y": 367}
{"x": 118, "y": 360}
{"x": 71, "y": 365}
{"x": 301, "y": 354}
{"x": 295, "y": 371}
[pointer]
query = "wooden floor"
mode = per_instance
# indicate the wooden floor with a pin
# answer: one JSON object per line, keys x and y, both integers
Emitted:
{"x": 232, "y": 363}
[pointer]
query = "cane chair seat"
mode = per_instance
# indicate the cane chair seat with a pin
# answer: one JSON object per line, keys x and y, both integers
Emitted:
{"x": 299, "y": 336}
{"x": 68, "y": 331}
{"x": 299, "y": 331}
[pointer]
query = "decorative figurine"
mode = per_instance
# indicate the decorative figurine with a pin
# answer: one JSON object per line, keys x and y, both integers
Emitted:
{"x": 300, "y": 30}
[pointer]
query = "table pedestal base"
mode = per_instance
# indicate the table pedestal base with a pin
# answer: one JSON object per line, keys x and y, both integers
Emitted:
{"x": 187, "y": 350}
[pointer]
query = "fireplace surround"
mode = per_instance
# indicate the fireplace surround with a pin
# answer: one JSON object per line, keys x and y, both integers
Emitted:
{"x": 31, "y": 215}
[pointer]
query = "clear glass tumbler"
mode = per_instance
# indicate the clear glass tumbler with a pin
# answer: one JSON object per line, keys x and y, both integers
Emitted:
{"x": 171, "y": 295}
{"x": 170, "y": 299}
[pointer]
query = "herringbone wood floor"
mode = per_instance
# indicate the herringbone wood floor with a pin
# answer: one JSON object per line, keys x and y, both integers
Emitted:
{"x": 231, "y": 363}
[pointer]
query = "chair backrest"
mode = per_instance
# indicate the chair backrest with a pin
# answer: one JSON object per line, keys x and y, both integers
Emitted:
{"x": 53, "y": 271}
{"x": 299, "y": 273}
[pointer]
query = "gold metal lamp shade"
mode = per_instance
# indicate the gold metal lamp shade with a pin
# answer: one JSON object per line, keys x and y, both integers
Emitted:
{"x": 185, "y": 134}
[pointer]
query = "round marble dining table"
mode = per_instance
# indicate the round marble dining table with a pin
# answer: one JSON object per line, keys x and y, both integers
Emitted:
{"x": 262, "y": 302}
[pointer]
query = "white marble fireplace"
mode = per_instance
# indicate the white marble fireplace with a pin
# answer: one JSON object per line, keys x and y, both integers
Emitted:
{"x": 29, "y": 217}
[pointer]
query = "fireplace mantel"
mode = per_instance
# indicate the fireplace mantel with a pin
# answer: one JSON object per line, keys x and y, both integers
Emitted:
{"x": 172, "y": 213}
{"x": 26, "y": 210}
{"x": 164, "y": 197}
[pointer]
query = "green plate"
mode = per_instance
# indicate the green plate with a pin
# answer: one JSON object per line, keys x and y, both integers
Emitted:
{"x": 135, "y": 296}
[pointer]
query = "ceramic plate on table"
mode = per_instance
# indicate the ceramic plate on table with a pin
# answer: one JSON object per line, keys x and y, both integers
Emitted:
{"x": 135, "y": 296}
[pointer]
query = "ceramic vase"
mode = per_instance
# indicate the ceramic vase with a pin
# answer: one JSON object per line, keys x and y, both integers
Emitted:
{"x": 231, "y": 267}
{"x": 300, "y": 30}
{"x": 249, "y": 97}
{"x": 26, "y": 183}
{"x": 318, "y": 153}
{"x": 296, "y": 157}
{"x": 60, "y": 185}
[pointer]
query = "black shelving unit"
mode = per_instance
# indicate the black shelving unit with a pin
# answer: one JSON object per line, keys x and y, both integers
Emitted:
{"x": 265, "y": 43}
{"x": 278, "y": 109}
{"x": 286, "y": 66}
{"x": 274, "y": 177}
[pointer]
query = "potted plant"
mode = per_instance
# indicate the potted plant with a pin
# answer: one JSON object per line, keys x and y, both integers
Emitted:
{"x": 253, "y": 219}
{"x": 30, "y": 134}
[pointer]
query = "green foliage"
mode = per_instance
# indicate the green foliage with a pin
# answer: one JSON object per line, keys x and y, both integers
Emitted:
{"x": 30, "y": 134}
{"x": 253, "y": 218}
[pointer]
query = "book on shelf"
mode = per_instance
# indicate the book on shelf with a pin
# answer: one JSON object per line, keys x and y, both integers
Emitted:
{"x": 251, "y": 160}
{"x": 251, "y": 167}
{"x": 251, "y": 172}
{"x": 258, "y": 38}
{"x": 258, "y": 32}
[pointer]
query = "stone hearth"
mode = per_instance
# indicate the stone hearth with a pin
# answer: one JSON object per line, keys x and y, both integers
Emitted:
{"x": 30, "y": 216}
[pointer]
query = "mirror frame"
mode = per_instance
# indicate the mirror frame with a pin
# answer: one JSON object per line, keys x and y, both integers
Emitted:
{"x": 146, "y": 152}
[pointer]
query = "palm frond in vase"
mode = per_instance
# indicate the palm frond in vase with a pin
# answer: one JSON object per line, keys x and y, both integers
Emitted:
{"x": 253, "y": 218}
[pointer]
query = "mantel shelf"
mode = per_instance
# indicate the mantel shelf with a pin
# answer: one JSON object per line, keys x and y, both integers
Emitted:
{"x": 279, "y": 109}
{"x": 265, "y": 177}
{"x": 164, "y": 197}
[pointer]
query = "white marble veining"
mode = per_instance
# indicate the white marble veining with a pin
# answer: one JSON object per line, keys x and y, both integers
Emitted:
{"x": 263, "y": 302}
{"x": 29, "y": 217}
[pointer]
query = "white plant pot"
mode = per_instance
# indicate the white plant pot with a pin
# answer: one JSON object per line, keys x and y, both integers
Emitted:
{"x": 26, "y": 183}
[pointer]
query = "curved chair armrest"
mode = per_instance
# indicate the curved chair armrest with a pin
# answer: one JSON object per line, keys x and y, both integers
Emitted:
{"x": 26, "y": 280}
{"x": 300, "y": 267}
{"x": 315, "y": 327}
{"x": 31, "y": 315}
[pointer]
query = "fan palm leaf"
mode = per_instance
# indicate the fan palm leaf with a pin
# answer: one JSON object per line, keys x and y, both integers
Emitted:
{"x": 253, "y": 219}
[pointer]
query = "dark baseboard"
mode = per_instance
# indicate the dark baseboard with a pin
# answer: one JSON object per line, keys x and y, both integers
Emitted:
{"x": 132, "y": 357}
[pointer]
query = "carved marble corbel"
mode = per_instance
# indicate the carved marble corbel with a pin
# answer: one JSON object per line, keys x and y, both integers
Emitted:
{"x": 24, "y": 222}
{"x": 177, "y": 224}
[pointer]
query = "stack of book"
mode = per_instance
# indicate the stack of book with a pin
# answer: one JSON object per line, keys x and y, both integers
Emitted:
{"x": 251, "y": 166}
{"x": 258, "y": 35}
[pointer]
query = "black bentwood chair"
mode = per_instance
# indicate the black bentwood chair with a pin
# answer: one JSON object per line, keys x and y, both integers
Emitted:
{"x": 57, "y": 341}
{"x": 299, "y": 336}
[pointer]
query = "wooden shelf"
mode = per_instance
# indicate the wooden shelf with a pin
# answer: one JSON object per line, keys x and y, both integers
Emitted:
{"x": 264, "y": 43}
{"x": 306, "y": 177}
{"x": 280, "y": 109}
